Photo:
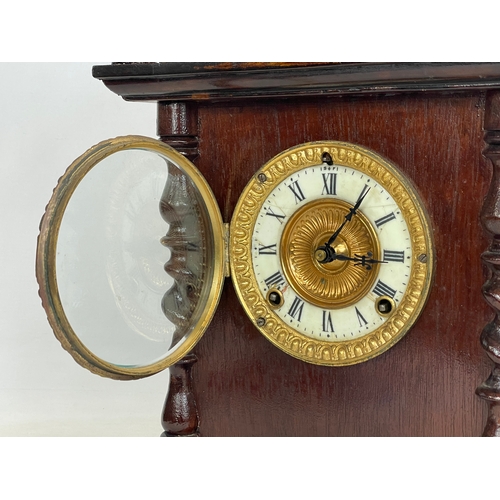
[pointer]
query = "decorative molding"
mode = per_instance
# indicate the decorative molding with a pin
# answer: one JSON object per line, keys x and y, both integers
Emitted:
{"x": 177, "y": 126}
{"x": 180, "y": 415}
{"x": 174, "y": 82}
{"x": 489, "y": 390}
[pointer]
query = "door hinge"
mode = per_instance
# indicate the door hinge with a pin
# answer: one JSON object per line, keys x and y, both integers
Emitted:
{"x": 227, "y": 268}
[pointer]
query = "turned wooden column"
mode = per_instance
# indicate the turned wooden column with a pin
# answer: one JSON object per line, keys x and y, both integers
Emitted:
{"x": 490, "y": 219}
{"x": 177, "y": 126}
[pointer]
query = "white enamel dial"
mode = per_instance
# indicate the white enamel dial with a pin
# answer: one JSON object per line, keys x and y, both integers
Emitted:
{"x": 322, "y": 182}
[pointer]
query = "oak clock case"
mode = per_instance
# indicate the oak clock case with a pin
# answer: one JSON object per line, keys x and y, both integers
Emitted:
{"x": 329, "y": 248}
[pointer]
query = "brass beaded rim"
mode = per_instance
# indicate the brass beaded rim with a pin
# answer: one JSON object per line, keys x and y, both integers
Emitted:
{"x": 291, "y": 341}
{"x": 47, "y": 249}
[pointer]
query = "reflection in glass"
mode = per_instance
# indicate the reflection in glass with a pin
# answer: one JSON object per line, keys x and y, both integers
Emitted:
{"x": 184, "y": 238}
{"x": 129, "y": 298}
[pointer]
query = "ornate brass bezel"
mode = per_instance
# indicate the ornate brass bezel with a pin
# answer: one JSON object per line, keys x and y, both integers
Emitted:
{"x": 285, "y": 337}
{"x": 46, "y": 256}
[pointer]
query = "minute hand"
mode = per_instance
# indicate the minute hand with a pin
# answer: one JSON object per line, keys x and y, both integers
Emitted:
{"x": 348, "y": 217}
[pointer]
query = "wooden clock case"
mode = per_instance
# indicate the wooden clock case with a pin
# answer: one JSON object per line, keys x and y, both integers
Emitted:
{"x": 433, "y": 120}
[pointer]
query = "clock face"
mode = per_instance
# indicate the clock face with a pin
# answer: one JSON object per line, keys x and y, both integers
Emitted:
{"x": 331, "y": 253}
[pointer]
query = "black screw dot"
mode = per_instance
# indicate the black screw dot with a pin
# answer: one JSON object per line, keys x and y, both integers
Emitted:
{"x": 327, "y": 158}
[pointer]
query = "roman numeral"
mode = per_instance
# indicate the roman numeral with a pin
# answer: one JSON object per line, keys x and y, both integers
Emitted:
{"x": 295, "y": 310}
{"x": 329, "y": 183}
{"x": 275, "y": 279}
{"x": 386, "y": 218}
{"x": 299, "y": 195}
{"x": 394, "y": 256}
{"x": 272, "y": 214}
{"x": 327, "y": 322}
{"x": 267, "y": 250}
{"x": 362, "y": 321}
{"x": 382, "y": 289}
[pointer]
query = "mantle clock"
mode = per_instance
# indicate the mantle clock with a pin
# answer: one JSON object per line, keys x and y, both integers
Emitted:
{"x": 306, "y": 247}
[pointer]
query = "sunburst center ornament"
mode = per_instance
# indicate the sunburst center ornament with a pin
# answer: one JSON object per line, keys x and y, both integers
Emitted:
{"x": 334, "y": 284}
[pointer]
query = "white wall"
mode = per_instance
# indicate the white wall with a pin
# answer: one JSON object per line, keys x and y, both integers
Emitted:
{"x": 50, "y": 113}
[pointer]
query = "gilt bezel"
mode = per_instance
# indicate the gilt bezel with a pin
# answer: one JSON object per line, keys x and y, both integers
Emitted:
{"x": 284, "y": 336}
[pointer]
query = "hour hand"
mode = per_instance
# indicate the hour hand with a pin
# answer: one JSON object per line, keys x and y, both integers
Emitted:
{"x": 365, "y": 261}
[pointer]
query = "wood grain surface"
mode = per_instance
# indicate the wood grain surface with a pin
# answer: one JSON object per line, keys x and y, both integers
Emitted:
{"x": 425, "y": 385}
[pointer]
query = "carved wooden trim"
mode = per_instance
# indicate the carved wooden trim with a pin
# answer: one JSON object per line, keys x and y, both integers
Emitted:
{"x": 180, "y": 415}
{"x": 177, "y": 126}
{"x": 490, "y": 220}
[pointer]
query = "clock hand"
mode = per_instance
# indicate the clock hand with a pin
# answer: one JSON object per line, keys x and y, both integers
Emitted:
{"x": 348, "y": 217}
{"x": 326, "y": 253}
{"x": 361, "y": 260}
